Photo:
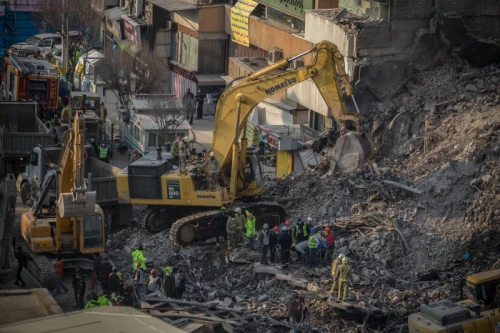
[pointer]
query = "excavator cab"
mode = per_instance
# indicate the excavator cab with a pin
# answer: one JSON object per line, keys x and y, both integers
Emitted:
{"x": 92, "y": 232}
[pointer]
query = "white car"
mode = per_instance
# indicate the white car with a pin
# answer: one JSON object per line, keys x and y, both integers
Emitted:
{"x": 40, "y": 42}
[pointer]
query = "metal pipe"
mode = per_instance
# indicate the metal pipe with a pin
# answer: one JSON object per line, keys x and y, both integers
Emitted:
{"x": 355, "y": 104}
{"x": 299, "y": 55}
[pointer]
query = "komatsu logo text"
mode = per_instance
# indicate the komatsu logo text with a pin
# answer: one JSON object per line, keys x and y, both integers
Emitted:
{"x": 280, "y": 86}
{"x": 205, "y": 196}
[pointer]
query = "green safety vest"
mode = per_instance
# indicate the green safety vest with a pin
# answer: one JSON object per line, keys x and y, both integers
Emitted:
{"x": 103, "y": 152}
{"x": 168, "y": 270}
{"x": 304, "y": 229}
{"x": 250, "y": 225}
{"x": 101, "y": 300}
{"x": 137, "y": 256}
{"x": 312, "y": 242}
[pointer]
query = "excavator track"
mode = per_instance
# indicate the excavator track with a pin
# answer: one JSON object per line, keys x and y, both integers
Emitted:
{"x": 197, "y": 227}
{"x": 41, "y": 268}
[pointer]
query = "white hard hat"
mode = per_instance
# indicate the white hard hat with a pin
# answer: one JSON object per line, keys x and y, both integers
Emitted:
{"x": 284, "y": 229}
{"x": 310, "y": 219}
{"x": 266, "y": 226}
{"x": 212, "y": 154}
{"x": 238, "y": 210}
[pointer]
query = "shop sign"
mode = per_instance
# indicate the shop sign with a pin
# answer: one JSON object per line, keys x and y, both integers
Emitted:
{"x": 132, "y": 31}
{"x": 114, "y": 27}
{"x": 295, "y": 8}
{"x": 239, "y": 21}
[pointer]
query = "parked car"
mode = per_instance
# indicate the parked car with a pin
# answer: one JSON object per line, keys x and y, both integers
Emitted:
{"x": 40, "y": 42}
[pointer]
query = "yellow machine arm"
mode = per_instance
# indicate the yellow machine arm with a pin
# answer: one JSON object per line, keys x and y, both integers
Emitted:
{"x": 236, "y": 104}
{"x": 74, "y": 199}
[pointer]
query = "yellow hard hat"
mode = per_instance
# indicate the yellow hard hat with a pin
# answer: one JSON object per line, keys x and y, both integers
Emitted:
{"x": 223, "y": 208}
{"x": 344, "y": 260}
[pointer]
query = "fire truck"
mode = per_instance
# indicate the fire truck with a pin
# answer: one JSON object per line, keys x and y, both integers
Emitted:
{"x": 30, "y": 79}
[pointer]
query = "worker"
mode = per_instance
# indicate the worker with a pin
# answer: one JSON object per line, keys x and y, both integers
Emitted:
{"x": 264, "y": 242}
{"x": 183, "y": 152}
{"x": 105, "y": 268}
{"x": 189, "y": 105}
{"x": 139, "y": 281}
{"x": 330, "y": 243}
{"x": 180, "y": 283}
{"x": 232, "y": 232}
{"x": 335, "y": 265}
{"x": 301, "y": 231}
{"x": 97, "y": 263}
{"x": 285, "y": 242}
{"x": 49, "y": 123}
{"x": 135, "y": 156}
{"x": 200, "y": 179}
{"x": 200, "y": 97}
{"x": 204, "y": 152}
{"x": 288, "y": 225}
{"x": 115, "y": 283}
{"x": 79, "y": 287}
{"x": 213, "y": 170}
{"x": 155, "y": 283}
{"x": 220, "y": 222}
{"x": 138, "y": 256}
{"x": 309, "y": 224}
{"x": 169, "y": 282}
{"x": 240, "y": 223}
{"x": 103, "y": 153}
{"x": 174, "y": 150}
{"x": 313, "y": 248}
{"x": 343, "y": 275}
{"x": 22, "y": 263}
{"x": 273, "y": 242}
{"x": 321, "y": 236}
{"x": 302, "y": 250}
{"x": 250, "y": 227}
{"x": 102, "y": 300}
{"x": 60, "y": 276}
{"x": 296, "y": 311}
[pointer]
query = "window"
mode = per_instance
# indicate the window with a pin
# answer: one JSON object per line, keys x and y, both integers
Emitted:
{"x": 104, "y": 92}
{"x": 38, "y": 90}
{"x": 152, "y": 140}
{"x": 92, "y": 232}
{"x": 57, "y": 40}
{"x": 161, "y": 139}
{"x": 281, "y": 18}
{"x": 34, "y": 159}
{"x": 171, "y": 137}
{"x": 89, "y": 104}
{"x": 45, "y": 43}
{"x": 33, "y": 40}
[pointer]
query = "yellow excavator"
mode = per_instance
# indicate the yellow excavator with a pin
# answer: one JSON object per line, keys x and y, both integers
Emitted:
{"x": 73, "y": 225}
{"x": 172, "y": 197}
{"x": 479, "y": 313}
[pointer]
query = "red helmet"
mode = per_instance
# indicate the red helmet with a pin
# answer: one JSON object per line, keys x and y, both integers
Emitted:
{"x": 179, "y": 138}
{"x": 153, "y": 271}
{"x": 134, "y": 151}
{"x": 276, "y": 229}
{"x": 287, "y": 223}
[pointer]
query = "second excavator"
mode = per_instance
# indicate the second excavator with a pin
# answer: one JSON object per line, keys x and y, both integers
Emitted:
{"x": 173, "y": 198}
{"x": 73, "y": 225}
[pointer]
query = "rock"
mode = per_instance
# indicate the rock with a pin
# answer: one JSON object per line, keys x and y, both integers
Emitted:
{"x": 494, "y": 79}
{"x": 467, "y": 76}
{"x": 344, "y": 250}
{"x": 486, "y": 178}
{"x": 471, "y": 88}
{"x": 374, "y": 243}
{"x": 354, "y": 244}
{"x": 239, "y": 299}
{"x": 480, "y": 84}
{"x": 226, "y": 303}
{"x": 262, "y": 298}
{"x": 355, "y": 278}
{"x": 212, "y": 295}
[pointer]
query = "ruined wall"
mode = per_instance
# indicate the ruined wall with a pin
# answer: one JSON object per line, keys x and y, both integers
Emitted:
{"x": 401, "y": 9}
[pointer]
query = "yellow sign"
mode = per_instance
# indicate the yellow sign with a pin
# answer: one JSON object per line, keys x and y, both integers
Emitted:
{"x": 239, "y": 21}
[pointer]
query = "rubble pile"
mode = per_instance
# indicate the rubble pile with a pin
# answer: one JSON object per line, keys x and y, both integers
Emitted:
{"x": 414, "y": 222}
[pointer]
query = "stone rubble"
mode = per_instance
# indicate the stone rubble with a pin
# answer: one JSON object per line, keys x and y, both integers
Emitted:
{"x": 441, "y": 138}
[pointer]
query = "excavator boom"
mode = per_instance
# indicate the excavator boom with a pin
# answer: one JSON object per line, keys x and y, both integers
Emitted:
{"x": 326, "y": 70}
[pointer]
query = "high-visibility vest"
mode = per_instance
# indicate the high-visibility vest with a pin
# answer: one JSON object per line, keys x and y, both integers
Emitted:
{"x": 304, "y": 229}
{"x": 168, "y": 270}
{"x": 137, "y": 256}
{"x": 103, "y": 152}
{"x": 312, "y": 242}
{"x": 250, "y": 227}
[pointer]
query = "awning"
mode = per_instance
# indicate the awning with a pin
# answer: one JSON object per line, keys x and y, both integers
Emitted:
{"x": 210, "y": 80}
{"x": 129, "y": 47}
{"x": 114, "y": 13}
{"x": 173, "y": 5}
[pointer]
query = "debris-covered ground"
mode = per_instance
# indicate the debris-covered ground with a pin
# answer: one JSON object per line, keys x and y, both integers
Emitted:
{"x": 414, "y": 222}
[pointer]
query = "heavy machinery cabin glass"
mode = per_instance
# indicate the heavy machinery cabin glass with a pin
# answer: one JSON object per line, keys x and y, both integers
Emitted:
{"x": 92, "y": 232}
{"x": 256, "y": 169}
{"x": 485, "y": 292}
{"x": 89, "y": 104}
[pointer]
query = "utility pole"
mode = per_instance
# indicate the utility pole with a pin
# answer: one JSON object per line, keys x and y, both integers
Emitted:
{"x": 65, "y": 35}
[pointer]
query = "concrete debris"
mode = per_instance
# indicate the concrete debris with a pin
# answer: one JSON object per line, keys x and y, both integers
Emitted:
{"x": 414, "y": 222}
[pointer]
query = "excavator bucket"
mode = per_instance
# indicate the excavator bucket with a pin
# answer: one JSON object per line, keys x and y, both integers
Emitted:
{"x": 351, "y": 151}
{"x": 70, "y": 207}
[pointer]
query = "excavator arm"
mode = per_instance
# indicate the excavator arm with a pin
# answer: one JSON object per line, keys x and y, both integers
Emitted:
{"x": 237, "y": 103}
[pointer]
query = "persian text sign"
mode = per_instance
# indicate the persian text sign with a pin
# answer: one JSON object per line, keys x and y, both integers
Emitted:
{"x": 239, "y": 21}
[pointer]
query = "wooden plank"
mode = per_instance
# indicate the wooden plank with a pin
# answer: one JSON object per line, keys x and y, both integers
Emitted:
{"x": 403, "y": 186}
{"x": 193, "y": 316}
